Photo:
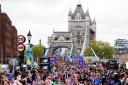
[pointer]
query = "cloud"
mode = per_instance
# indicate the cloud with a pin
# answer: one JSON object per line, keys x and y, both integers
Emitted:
{"x": 41, "y": 16}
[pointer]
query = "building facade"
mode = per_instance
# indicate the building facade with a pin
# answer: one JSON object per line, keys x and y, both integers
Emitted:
{"x": 8, "y": 35}
{"x": 121, "y": 45}
{"x": 121, "y": 57}
{"x": 79, "y": 25}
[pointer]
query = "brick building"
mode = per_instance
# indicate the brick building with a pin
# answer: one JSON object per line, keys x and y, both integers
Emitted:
{"x": 8, "y": 35}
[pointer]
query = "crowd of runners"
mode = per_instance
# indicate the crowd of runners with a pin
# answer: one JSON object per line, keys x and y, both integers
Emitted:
{"x": 65, "y": 73}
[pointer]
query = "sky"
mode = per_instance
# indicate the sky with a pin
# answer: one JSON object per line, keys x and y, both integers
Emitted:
{"x": 41, "y": 17}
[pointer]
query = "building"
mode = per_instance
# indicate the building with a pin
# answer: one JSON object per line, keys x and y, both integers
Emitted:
{"x": 121, "y": 45}
{"x": 79, "y": 25}
{"x": 8, "y": 35}
{"x": 121, "y": 57}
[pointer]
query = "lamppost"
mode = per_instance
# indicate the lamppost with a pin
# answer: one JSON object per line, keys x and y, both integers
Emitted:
{"x": 29, "y": 37}
{"x": 29, "y": 59}
{"x": 119, "y": 57}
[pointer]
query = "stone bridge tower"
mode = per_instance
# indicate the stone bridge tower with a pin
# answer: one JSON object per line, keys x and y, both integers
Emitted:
{"x": 78, "y": 23}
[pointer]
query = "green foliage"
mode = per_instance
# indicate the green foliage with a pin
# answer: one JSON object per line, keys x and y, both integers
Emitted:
{"x": 26, "y": 52}
{"x": 102, "y": 50}
{"x": 38, "y": 51}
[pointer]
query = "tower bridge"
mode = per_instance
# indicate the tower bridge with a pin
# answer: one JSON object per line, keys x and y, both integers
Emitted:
{"x": 80, "y": 25}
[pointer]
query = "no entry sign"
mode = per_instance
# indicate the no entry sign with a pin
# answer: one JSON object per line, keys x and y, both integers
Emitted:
{"x": 21, "y": 47}
{"x": 21, "y": 39}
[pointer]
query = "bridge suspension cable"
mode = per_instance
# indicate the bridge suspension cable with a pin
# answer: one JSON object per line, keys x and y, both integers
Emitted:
{"x": 94, "y": 53}
{"x": 85, "y": 42}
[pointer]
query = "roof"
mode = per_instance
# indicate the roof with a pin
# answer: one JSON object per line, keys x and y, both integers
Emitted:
{"x": 87, "y": 13}
{"x": 80, "y": 10}
{"x": 70, "y": 13}
{"x": 62, "y": 32}
{"x": 94, "y": 21}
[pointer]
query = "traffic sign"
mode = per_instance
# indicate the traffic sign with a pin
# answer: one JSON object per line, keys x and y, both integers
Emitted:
{"x": 21, "y": 39}
{"x": 21, "y": 47}
{"x": 13, "y": 62}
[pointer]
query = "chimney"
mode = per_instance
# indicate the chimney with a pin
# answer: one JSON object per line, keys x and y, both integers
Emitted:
{"x": 40, "y": 42}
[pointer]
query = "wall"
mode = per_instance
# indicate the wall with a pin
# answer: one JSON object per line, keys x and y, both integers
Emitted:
{"x": 8, "y": 39}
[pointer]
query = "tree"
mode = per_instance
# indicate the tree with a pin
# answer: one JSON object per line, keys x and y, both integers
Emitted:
{"x": 38, "y": 51}
{"x": 102, "y": 50}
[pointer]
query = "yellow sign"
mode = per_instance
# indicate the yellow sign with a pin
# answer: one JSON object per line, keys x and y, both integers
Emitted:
{"x": 29, "y": 62}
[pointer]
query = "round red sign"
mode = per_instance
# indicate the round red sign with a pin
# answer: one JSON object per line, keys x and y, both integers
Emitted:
{"x": 21, "y": 39}
{"x": 21, "y": 47}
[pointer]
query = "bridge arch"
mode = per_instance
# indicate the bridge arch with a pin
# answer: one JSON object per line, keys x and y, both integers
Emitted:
{"x": 56, "y": 46}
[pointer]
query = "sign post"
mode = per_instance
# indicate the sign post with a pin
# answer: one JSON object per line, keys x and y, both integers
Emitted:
{"x": 21, "y": 48}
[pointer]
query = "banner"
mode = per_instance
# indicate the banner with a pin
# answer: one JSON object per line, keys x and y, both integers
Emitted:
{"x": 52, "y": 61}
{"x": 45, "y": 63}
{"x": 80, "y": 61}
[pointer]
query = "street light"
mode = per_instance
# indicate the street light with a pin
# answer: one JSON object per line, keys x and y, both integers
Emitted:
{"x": 29, "y": 37}
{"x": 119, "y": 57}
{"x": 29, "y": 59}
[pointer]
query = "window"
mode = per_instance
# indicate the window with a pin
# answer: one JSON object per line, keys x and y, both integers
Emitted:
{"x": 56, "y": 38}
{"x": 73, "y": 34}
{"x": 78, "y": 16}
{"x": 67, "y": 39}
{"x": 78, "y": 41}
{"x": 78, "y": 32}
{"x": 81, "y": 42}
{"x": 83, "y": 34}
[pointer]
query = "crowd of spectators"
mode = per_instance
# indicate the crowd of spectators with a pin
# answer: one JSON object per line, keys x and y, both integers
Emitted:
{"x": 65, "y": 73}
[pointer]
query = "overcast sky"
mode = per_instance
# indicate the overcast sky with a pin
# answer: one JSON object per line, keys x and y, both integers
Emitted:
{"x": 42, "y": 16}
